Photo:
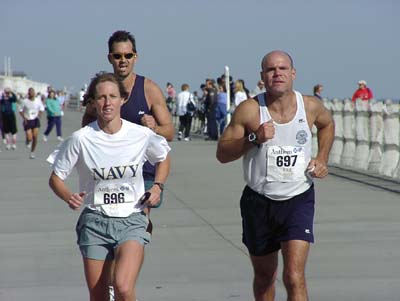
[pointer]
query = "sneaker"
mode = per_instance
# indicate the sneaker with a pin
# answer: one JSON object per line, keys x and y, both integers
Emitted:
{"x": 44, "y": 138}
{"x": 14, "y": 146}
{"x": 29, "y": 145}
{"x": 4, "y": 141}
{"x": 187, "y": 139}
{"x": 59, "y": 138}
{"x": 8, "y": 147}
{"x": 32, "y": 156}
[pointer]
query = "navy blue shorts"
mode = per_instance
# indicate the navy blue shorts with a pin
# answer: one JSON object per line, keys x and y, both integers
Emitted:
{"x": 31, "y": 124}
{"x": 266, "y": 223}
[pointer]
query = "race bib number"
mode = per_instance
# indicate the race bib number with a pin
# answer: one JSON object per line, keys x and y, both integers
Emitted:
{"x": 115, "y": 192}
{"x": 285, "y": 163}
{"x": 32, "y": 114}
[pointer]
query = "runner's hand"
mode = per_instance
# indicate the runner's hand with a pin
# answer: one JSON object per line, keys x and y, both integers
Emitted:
{"x": 148, "y": 121}
{"x": 76, "y": 200}
{"x": 317, "y": 169}
{"x": 265, "y": 131}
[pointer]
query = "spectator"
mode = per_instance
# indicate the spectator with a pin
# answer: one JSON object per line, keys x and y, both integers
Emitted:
{"x": 240, "y": 93}
{"x": 8, "y": 108}
{"x": 201, "y": 111}
{"x": 363, "y": 92}
{"x": 211, "y": 104}
{"x": 318, "y": 91}
{"x": 171, "y": 94}
{"x": 81, "y": 98}
{"x": 260, "y": 88}
{"x": 221, "y": 112}
{"x": 244, "y": 88}
{"x": 185, "y": 109}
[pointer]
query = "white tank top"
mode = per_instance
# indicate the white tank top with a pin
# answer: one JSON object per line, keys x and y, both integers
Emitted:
{"x": 277, "y": 169}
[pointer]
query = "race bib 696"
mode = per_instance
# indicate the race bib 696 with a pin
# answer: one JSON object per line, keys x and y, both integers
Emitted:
{"x": 115, "y": 192}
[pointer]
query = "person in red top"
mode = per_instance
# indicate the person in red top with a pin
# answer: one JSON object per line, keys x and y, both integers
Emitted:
{"x": 363, "y": 92}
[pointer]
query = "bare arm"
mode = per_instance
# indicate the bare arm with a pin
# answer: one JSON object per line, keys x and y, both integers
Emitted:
{"x": 74, "y": 200}
{"x": 325, "y": 134}
{"x": 323, "y": 120}
{"x": 234, "y": 143}
{"x": 162, "y": 172}
{"x": 162, "y": 121}
{"x": 22, "y": 115}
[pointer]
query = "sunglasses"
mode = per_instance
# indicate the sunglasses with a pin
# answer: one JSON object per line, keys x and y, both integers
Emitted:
{"x": 118, "y": 56}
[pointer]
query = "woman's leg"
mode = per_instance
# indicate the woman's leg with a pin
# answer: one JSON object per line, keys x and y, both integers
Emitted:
{"x": 96, "y": 273}
{"x": 35, "y": 134}
{"x": 58, "y": 126}
{"x": 50, "y": 125}
{"x": 128, "y": 261}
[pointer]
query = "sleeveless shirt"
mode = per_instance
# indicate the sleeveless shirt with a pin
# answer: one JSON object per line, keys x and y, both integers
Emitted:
{"x": 277, "y": 169}
{"x": 133, "y": 110}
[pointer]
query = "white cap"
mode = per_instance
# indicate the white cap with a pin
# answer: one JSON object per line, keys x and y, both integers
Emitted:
{"x": 362, "y": 82}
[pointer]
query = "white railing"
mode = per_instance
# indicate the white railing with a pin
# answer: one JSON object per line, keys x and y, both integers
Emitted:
{"x": 366, "y": 136}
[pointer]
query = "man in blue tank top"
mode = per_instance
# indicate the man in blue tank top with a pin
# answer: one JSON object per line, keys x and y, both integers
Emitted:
{"x": 273, "y": 134}
{"x": 146, "y": 104}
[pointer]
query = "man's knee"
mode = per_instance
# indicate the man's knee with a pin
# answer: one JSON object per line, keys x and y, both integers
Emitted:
{"x": 264, "y": 279}
{"x": 294, "y": 280}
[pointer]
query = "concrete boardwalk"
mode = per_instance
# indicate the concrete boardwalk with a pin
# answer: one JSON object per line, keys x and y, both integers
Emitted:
{"x": 196, "y": 252}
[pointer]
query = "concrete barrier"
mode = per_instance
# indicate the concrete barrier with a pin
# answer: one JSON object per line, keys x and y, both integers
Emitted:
{"x": 366, "y": 136}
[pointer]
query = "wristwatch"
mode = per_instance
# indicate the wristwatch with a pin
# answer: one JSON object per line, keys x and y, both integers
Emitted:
{"x": 252, "y": 138}
{"x": 161, "y": 185}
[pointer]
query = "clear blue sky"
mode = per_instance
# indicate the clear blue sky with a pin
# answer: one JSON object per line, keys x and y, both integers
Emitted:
{"x": 335, "y": 42}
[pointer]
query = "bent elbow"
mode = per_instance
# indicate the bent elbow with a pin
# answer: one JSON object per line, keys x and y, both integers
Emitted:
{"x": 223, "y": 158}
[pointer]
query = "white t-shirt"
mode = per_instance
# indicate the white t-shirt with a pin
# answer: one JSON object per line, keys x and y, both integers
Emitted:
{"x": 110, "y": 166}
{"x": 239, "y": 97}
{"x": 181, "y": 102}
{"x": 31, "y": 108}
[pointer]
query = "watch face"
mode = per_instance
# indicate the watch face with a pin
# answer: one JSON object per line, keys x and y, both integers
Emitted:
{"x": 252, "y": 137}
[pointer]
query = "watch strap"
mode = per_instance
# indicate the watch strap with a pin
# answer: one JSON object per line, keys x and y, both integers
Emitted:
{"x": 159, "y": 184}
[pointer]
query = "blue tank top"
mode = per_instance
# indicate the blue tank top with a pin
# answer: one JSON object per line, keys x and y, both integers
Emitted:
{"x": 133, "y": 110}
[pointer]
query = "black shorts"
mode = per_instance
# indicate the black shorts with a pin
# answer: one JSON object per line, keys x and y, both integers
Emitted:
{"x": 9, "y": 123}
{"x": 266, "y": 223}
{"x": 31, "y": 124}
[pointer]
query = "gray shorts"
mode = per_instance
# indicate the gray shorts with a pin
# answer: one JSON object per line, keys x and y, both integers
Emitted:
{"x": 99, "y": 235}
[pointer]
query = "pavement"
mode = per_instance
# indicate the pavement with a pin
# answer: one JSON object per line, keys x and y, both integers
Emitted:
{"x": 196, "y": 251}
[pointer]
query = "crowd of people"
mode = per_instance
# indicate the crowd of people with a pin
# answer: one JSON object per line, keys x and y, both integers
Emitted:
{"x": 209, "y": 107}
{"x": 30, "y": 107}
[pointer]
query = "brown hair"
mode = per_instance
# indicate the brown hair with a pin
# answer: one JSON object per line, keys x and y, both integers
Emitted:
{"x": 102, "y": 77}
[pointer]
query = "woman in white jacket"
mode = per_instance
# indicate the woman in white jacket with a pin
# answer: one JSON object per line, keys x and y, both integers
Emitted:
{"x": 240, "y": 93}
{"x": 185, "y": 109}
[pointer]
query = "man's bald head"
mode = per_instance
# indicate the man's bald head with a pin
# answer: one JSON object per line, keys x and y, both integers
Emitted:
{"x": 265, "y": 58}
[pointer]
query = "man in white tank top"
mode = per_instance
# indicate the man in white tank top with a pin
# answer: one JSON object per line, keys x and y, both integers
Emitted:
{"x": 273, "y": 135}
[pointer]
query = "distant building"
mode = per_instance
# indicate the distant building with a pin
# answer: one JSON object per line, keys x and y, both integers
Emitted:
{"x": 15, "y": 73}
{"x": 19, "y": 84}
